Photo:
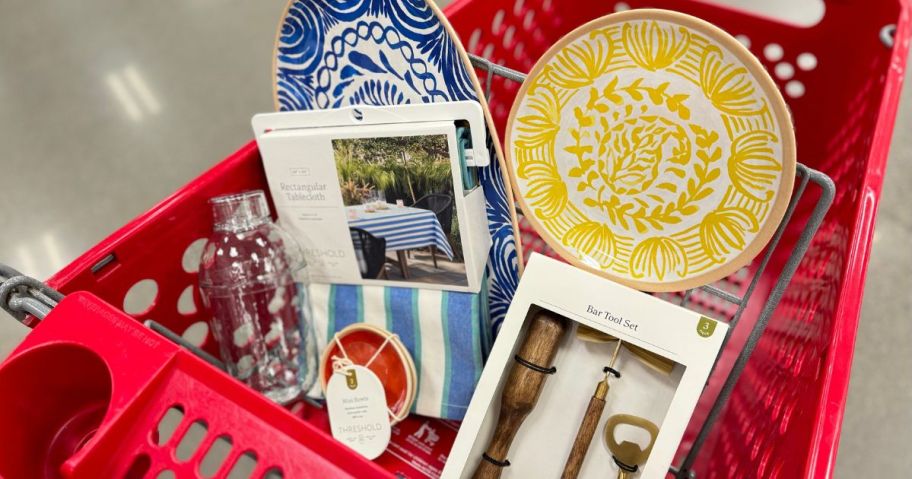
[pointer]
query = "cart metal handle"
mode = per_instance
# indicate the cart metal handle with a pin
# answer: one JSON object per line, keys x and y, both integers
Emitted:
{"x": 29, "y": 301}
{"x": 21, "y": 296}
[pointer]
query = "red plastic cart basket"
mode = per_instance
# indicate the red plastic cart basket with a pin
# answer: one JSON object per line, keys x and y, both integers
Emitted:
{"x": 784, "y": 417}
{"x": 87, "y": 394}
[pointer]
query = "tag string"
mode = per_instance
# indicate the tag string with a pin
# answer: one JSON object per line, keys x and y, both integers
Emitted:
{"x": 342, "y": 364}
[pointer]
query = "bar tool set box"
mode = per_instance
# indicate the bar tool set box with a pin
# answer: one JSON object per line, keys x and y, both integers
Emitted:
{"x": 643, "y": 360}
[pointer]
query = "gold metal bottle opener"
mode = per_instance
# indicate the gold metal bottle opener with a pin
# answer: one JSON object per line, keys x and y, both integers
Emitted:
{"x": 629, "y": 455}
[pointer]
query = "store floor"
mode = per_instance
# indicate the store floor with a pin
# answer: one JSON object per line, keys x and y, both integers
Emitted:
{"x": 107, "y": 106}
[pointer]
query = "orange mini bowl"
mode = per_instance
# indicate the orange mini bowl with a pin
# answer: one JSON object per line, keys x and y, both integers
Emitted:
{"x": 393, "y": 365}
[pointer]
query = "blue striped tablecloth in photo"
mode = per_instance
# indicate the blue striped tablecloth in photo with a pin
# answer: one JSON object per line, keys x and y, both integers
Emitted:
{"x": 403, "y": 227}
{"x": 447, "y": 333}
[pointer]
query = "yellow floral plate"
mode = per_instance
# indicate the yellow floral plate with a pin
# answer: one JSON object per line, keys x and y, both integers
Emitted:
{"x": 651, "y": 147}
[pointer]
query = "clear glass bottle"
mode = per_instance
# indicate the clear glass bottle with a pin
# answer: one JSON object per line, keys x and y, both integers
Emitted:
{"x": 260, "y": 316}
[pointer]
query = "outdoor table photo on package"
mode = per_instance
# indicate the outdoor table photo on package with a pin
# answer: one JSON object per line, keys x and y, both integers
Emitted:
{"x": 346, "y": 295}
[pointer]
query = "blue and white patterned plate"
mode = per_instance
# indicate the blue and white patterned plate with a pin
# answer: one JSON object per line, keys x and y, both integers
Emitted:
{"x": 335, "y": 53}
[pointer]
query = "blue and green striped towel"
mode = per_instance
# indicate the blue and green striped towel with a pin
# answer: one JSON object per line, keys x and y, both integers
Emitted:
{"x": 447, "y": 333}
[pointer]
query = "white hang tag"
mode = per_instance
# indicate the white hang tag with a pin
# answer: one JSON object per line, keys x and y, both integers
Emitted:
{"x": 358, "y": 412}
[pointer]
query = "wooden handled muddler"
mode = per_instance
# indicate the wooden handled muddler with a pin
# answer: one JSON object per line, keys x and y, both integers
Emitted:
{"x": 524, "y": 385}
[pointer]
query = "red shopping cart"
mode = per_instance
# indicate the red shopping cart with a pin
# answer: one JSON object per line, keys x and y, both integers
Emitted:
{"x": 101, "y": 382}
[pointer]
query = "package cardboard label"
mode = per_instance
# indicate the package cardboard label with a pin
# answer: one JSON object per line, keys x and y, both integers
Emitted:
{"x": 358, "y": 412}
{"x": 396, "y": 178}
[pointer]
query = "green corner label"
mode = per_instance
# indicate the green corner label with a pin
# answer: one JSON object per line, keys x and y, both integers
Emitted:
{"x": 706, "y": 327}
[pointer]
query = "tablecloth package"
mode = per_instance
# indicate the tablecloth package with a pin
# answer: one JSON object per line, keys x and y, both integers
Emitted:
{"x": 329, "y": 179}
